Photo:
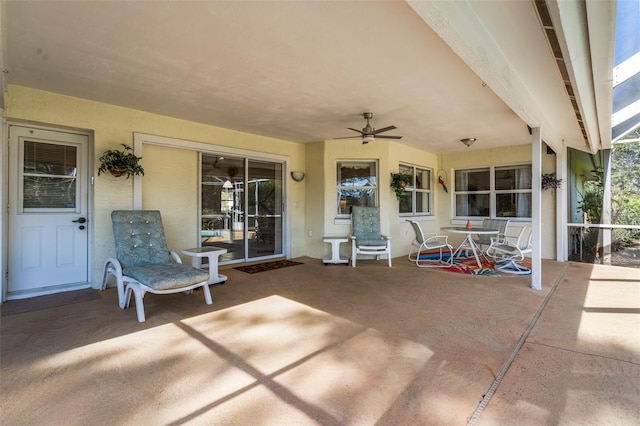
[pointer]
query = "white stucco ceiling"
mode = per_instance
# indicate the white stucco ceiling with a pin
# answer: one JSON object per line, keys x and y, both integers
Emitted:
{"x": 304, "y": 71}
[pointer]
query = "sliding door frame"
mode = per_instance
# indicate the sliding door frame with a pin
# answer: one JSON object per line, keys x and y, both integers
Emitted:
{"x": 140, "y": 140}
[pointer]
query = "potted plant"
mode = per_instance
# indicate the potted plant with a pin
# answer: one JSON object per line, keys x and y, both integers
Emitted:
{"x": 549, "y": 181}
{"x": 120, "y": 163}
{"x": 399, "y": 182}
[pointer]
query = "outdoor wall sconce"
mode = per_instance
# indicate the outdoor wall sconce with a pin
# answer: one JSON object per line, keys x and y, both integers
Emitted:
{"x": 297, "y": 176}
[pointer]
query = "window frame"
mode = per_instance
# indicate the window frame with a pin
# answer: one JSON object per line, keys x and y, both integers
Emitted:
{"x": 413, "y": 190}
{"x": 492, "y": 191}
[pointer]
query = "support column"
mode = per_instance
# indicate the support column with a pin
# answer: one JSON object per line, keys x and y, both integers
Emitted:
{"x": 562, "y": 206}
{"x": 604, "y": 236}
{"x": 536, "y": 209}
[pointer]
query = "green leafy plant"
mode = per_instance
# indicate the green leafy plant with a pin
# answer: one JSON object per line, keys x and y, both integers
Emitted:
{"x": 120, "y": 163}
{"x": 549, "y": 181}
{"x": 399, "y": 182}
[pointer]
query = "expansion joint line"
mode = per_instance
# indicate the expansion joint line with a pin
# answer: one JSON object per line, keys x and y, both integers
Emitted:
{"x": 489, "y": 393}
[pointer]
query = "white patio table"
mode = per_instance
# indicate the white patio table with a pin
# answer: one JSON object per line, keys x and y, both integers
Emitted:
{"x": 211, "y": 253}
{"x": 468, "y": 243}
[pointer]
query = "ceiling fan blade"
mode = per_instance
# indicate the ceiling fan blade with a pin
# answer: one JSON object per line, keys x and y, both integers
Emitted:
{"x": 388, "y": 137}
{"x": 356, "y": 130}
{"x": 349, "y": 137}
{"x": 384, "y": 129}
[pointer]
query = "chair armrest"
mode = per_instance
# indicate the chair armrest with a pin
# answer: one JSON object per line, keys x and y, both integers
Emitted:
{"x": 175, "y": 256}
{"x": 500, "y": 239}
{"x": 436, "y": 237}
{"x": 385, "y": 237}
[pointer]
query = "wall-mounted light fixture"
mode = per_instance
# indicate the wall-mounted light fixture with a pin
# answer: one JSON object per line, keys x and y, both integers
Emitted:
{"x": 297, "y": 176}
{"x": 468, "y": 141}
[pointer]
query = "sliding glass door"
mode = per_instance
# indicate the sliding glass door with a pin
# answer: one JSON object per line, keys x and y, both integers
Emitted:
{"x": 242, "y": 204}
{"x": 264, "y": 208}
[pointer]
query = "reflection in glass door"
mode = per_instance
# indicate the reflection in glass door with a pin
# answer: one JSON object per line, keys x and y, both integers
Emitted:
{"x": 224, "y": 202}
{"x": 264, "y": 207}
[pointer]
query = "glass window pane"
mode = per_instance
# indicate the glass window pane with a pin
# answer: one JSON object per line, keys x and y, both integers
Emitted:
{"x": 472, "y": 205}
{"x": 423, "y": 179}
{"x": 473, "y": 180}
{"x": 355, "y": 197}
{"x": 513, "y": 178}
{"x": 423, "y": 204}
{"x": 51, "y": 159}
{"x": 357, "y": 174}
{"x": 407, "y": 171}
{"x": 48, "y": 192}
{"x": 513, "y": 205}
{"x": 406, "y": 202}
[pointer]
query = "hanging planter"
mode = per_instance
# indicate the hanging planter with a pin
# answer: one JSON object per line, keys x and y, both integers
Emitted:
{"x": 120, "y": 163}
{"x": 549, "y": 181}
{"x": 399, "y": 182}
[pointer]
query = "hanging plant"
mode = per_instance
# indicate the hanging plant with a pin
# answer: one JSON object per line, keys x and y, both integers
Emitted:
{"x": 549, "y": 181}
{"x": 399, "y": 182}
{"x": 120, "y": 163}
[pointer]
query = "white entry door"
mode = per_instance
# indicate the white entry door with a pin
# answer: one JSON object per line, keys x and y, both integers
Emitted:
{"x": 48, "y": 206}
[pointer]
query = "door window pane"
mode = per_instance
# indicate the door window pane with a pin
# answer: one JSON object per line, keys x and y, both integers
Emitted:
{"x": 49, "y": 176}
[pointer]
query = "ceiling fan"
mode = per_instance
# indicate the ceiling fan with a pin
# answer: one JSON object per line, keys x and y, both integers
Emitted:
{"x": 369, "y": 133}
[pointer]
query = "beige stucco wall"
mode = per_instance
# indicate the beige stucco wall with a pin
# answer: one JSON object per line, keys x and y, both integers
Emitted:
{"x": 388, "y": 154}
{"x": 310, "y": 203}
{"x": 112, "y": 125}
{"x": 171, "y": 187}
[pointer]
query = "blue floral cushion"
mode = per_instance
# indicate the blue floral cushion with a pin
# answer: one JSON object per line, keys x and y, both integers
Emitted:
{"x": 139, "y": 238}
{"x": 366, "y": 226}
{"x": 165, "y": 277}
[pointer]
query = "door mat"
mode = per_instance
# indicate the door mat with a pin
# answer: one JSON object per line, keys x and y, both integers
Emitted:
{"x": 268, "y": 266}
{"x": 49, "y": 301}
{"x": 468, "y": 265}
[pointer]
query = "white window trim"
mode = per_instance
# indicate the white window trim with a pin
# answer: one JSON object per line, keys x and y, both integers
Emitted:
{"x": 492, "y": 194}
{"x": 345, "y": 219}
{"x": 413, "y": 213}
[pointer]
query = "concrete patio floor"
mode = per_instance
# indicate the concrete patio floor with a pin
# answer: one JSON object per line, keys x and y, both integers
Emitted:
{"x": 334, "y": 345}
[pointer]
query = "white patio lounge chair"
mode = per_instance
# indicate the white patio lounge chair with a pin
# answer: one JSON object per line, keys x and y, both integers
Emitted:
{"x": 365, "y": 234}
{"x": 143, "y": 261}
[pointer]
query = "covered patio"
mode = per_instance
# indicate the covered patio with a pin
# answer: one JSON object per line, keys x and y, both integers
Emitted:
{"x": 332, "y": 345}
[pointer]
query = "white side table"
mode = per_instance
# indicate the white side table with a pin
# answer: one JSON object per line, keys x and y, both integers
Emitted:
{"x": 335, "y": 250}
{"x": 212, "y": 253}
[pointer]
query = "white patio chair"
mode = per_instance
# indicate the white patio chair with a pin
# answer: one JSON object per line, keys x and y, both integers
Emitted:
{"x": 508, "y": 254}
{"x": 429, "y": 243}
{"x": 143, "y": 261}
{"x": 365, "y": 234}
{"x": 499, "y": 224}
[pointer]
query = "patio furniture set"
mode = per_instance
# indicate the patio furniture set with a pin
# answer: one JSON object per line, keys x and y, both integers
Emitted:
{"x": 504, "y": 251}
{"x": 143, "y": 263}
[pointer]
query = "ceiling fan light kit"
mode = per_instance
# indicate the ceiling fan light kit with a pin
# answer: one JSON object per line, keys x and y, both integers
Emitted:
{"x": 468, "y": 141}
{"x": 369, "y": 134}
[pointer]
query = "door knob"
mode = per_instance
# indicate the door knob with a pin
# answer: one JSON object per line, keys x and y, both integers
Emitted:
{"x": 80, "y": 220}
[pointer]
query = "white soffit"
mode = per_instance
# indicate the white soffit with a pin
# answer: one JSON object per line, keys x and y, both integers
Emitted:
{"x": 585, "y": 34}
{"x": 514, "y": 61}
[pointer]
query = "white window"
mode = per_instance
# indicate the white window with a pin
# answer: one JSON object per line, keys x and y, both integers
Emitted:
{"x": 503, "y": 191}
{"x": 356, "y": 185}
{"x": 417, "y": 196}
